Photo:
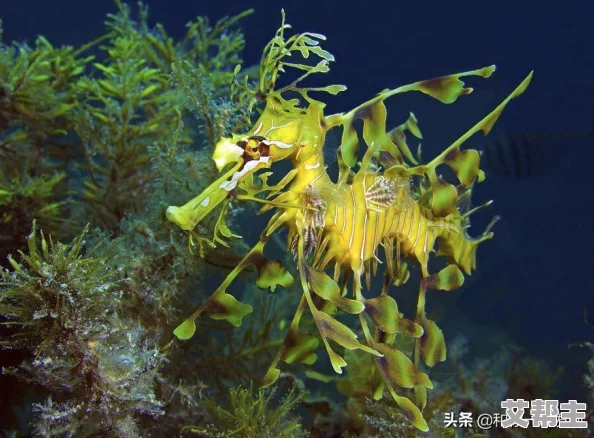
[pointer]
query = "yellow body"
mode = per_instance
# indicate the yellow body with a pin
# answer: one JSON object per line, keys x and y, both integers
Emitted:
{"x": 355, "y": 227}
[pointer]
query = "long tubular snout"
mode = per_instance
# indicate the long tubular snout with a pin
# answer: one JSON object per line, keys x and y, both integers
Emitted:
{"x": 190, "y": 214}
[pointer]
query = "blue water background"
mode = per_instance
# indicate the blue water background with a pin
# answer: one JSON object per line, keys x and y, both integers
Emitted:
{"x": 534, "y": 280}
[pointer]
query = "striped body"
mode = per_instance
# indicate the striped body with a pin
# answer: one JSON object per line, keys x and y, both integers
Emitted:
{"x": 358, "y": 226}
{"x": 355, "y": 225}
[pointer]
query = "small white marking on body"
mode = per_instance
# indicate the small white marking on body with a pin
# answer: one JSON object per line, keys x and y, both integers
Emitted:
{"x": 250, "y": 165}
{"x": 374, "y": 249}
{"x": 258, "y": 128}
{"x": 275, "y": 127}
{"x": 278, "y": 144}
{"x": 418, "y": 232}
{"x": 205, "y": 202}
{"x": 364, "y": 237}
{"x": 412, "y": 222}
{"x": 313, "y": 166}
{"x": 335, "y": 215}
{"x": 354, "y": 215}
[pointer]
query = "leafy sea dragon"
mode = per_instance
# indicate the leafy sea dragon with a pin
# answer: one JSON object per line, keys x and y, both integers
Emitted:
{"x": 371, "y": 215}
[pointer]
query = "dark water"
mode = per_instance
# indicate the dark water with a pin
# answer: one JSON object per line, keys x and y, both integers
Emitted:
{"x": 534, "y": 280}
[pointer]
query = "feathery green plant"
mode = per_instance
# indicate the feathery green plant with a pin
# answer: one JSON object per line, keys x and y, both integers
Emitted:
{"x": 37, "y": 95}
{"x": 55, "y": 293}
{"x": 131, "y": 104}
{"x": 38, "y": 101}
{"x": 60, "y": 307}
{"x": 24, "y": 198}
{"x": 125, "y": 110}
{"x": 252, "y": 415}
{"x": 217, "y": 116}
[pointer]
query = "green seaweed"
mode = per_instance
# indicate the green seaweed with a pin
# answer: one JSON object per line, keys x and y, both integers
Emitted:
{"x": 217, "y": 116}
{"x": 37, "y": 95}
{"x": 60, "y": 108}
{"x": 54, "y": 289}
{"x": 125, "y": 109}
{"x": 131, "y": 104}
{"x": 38, "y": 101}
{"x": 252, "y": 415}
{"x": 59, "y": 309}
{"x": 24, "y": 198}
{"x": 103, "y": 140}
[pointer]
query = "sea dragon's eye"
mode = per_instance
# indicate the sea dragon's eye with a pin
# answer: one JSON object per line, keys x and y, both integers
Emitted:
{"x": 264, "y": 149}
{"x": 252, "y": 148}
{"x": 255, "y": 147}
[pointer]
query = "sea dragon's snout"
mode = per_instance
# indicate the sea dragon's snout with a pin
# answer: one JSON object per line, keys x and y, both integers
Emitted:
{"x": 228, "y": 152}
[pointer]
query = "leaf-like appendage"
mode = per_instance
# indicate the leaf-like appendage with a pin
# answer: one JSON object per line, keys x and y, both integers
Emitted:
{"x": 443, "y": 200}
{"x": 402, "y": 275}
{"x": 275, "y": 61}
{"x": 449, "y": 278}
{"x": 340, "y": 333}
{"x": 271, "y": 376}
{"x": 398, "y": 136}
{"x": 225, "y": 306}
{"x": 300, "y": 347}
{"x": 465, "y": 164}
{"x": 272, "y": 274}
{"x": 186, "y": 329}
{"x": 326, "y": 287}
{"x": 410, "y": 328}
{"x": 432, "y": 343}
{"x": 349, "y": 145}
{"x": 222, "y": 228}
{"x": 448, "y": 88}
{"x": 336, "y": 360}
{"x": 398, "y": 369}
{"x": 384, "y": 312}
{"x": 412, "y": 413}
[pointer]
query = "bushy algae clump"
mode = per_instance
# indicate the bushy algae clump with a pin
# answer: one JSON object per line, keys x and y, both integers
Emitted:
{"x": 60, "y": 304}
{"x": 252, "y": 415}
{"x": 67, "y": 114}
